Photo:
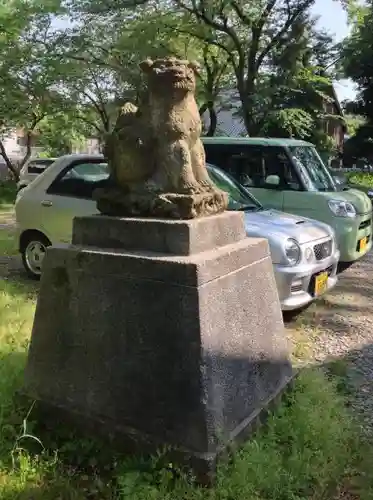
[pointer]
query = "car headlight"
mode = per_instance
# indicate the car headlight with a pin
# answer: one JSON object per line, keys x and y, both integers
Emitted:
{"x": 370, "y": 193}
{"x": 292, "y": 252}
{"x": 342, "y": 208}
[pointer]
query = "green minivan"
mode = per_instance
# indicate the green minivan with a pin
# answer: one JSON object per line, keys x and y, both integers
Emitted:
{"x": 289, "y": 175}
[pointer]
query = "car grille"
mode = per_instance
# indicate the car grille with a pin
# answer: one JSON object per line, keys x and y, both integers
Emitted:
{"x": 365, "y": 223}
{"x": 298, "y": 287}
{"x": 323, "y": 250}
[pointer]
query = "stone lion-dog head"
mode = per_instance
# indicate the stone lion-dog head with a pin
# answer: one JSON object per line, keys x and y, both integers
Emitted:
{"x": 171, "y": 74}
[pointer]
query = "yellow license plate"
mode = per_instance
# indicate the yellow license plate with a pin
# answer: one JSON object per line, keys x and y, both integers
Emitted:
{"x": 321, "y": 283}
{"x": 363, "y": 244}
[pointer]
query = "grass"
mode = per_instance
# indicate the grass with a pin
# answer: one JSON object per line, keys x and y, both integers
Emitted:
{"x": 7, "y": 198}
{"x": 8, "y": 192}
{"x": 310, "y": 448}
{"x": 364, "y": 179}
{"x": 7, "y": 242}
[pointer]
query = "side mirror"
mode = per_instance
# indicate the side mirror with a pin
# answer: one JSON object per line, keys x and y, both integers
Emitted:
{"x": 273, "y": 180}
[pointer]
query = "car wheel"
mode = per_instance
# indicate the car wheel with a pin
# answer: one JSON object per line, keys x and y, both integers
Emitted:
{"x": 33, "y": 252}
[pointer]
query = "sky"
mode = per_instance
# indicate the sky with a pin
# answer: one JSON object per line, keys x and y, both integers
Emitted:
{"x": 334, "y": 19}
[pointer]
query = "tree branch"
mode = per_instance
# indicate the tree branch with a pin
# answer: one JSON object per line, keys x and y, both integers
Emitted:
{"x": 208, "y": 40}
{"x": 201, "y": 14}
{"x": 256, "y": 33}
{"x": 91, "y": 123}
{"x": 240, "y": 13}
{"x": 8, "y": 163}
{"x": 104, "y": 114}
{"x": 94, "y": 60}
{"x": 35, "y": 120}
{"x": 100, "y": 112}
{"x": 276, "y": 39}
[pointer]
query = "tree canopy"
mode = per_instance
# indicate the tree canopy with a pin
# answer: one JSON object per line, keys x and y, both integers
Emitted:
{"x": 72, "y": 64}
{"x": 357, "y": 57}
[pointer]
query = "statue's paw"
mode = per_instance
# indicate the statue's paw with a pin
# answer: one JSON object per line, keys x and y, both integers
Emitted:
{"x": 207, "y": 185}
{"x": 191, "y": 188}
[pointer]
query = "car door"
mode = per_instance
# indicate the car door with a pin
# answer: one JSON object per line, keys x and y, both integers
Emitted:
{"x": 246, "y": 164}
{"x": 70, "y": 195}
{"x": 253, "y": 167}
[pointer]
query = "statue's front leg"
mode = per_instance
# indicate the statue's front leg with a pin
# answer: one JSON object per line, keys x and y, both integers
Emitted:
{"x": 177, "y": 162}
{"x": 198, "y": 159}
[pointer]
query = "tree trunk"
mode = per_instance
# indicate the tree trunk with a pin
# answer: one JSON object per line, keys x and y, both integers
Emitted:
{"x": 28, "y": 150}
{"x": 246, "y": 90}
{"x": 8, "y": 163}
{"x": 213, "y": 120}
{"x": 203, "y": 109}
{"x": 209, "y": 106}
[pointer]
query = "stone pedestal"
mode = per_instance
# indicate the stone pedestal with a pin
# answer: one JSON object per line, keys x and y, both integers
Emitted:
{"x": 168, "y": 332}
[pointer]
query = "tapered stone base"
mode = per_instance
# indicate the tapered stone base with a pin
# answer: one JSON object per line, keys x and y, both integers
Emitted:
{"x": 181, "y": 349}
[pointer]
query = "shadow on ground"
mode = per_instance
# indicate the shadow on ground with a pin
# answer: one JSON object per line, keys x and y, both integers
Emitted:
{"x": 348, "y": 309}
{"x": 340, "y": 326}
{"x": 19, "y": 284}
{"x": 309, "y": 426}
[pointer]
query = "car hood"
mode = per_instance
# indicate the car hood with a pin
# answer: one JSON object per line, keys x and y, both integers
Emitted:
{"x": 276, "y": 225}
{"x": 365, "y": 189}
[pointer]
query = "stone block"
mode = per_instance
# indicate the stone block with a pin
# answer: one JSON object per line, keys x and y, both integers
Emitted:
{"x": 175, "y": 237}
{"x": 183, "y": 350}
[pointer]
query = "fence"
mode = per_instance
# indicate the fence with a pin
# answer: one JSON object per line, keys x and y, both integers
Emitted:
{"x": 367, "y": 168}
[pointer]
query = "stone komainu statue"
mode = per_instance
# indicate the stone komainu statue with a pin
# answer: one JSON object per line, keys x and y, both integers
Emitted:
{"x": 155, "y": 154}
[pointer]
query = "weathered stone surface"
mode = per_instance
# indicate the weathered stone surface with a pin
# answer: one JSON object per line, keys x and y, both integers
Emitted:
{"x": 160, "y": 235}
{"x": 112, "y": 201}
{"x": 180, "y": 350}
{"x": 155, "y": 153}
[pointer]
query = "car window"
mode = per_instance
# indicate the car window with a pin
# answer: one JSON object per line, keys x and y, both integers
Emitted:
{"x": 238, "y": 198}
{"x": 38, "y": 166}
{"x": 252, "y": 165}
{"x": 81, "y": 179}
{"x": 217, "y": 154}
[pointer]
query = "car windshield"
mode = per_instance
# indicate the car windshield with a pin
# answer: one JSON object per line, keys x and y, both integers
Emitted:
{"x": 339, "y": 178}
{"x": 239, "y": 198}
{"x": 91, "y": 171}
{"x": 311, "y": 168}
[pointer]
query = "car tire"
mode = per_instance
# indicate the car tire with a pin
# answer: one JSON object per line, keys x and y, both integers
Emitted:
{"x": 289, "y": 316}
{"x": 33, "y": 251}
{"x": 343, "y": 266}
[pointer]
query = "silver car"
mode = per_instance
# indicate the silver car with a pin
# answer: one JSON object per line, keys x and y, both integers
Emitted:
{"x": 304, "y": 252}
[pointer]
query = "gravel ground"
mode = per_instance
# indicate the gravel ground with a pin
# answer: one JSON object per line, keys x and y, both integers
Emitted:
{"x": 338, "y": 326}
